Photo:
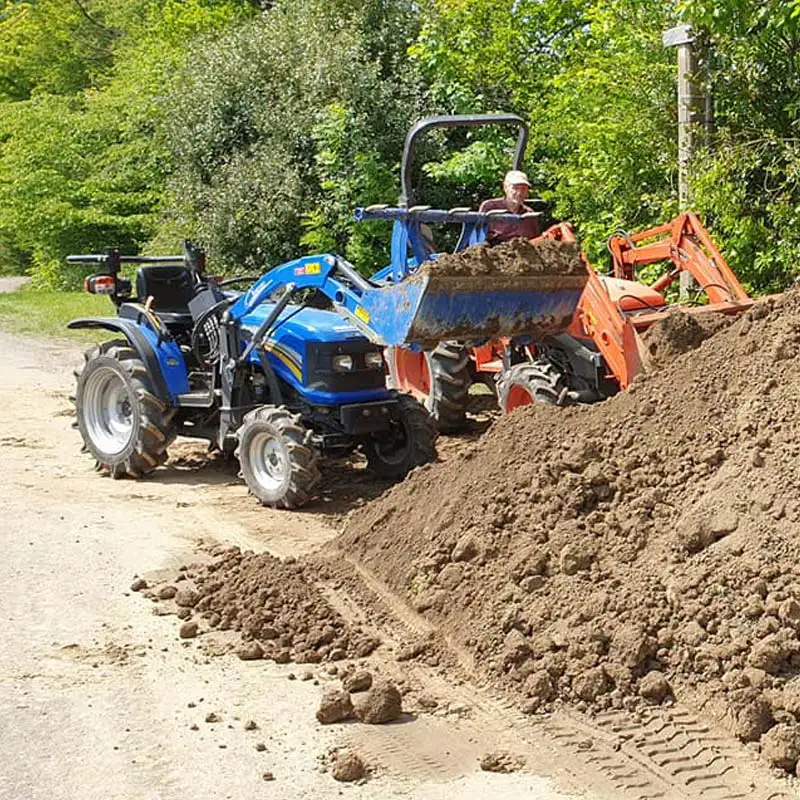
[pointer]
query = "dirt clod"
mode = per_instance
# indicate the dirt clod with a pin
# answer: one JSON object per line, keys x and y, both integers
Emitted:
{"x": 654, "y": 686}
{"x": 250, "y": 652}
{"x": 780, "y": 746}
{"x": 186, "y": 598}
{"x": 188, "y": 630}
{"x": 752, "y": 715}
{"x": 382, "y": 703}
{"x": 359, "y": 681}
{"x": 501, "y": 761}
{"x": 347, "y": 767}
{"x": 335, "y": 706}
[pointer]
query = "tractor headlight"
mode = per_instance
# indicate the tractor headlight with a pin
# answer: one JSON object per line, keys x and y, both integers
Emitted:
{"x": 343, "y": 363}
{"x": 374, "y": 360}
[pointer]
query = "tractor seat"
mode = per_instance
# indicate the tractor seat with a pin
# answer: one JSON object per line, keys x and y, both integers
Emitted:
{"x": 171, "y": 289}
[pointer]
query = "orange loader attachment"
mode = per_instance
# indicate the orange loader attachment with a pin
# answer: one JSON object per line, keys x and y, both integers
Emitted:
{"x": 614, "y": 310}
{"x": 602, "y": 350}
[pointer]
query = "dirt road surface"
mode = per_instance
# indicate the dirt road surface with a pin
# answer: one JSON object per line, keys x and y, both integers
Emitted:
{"x": 12, "y": 283}
{"x": 99, "y": 698}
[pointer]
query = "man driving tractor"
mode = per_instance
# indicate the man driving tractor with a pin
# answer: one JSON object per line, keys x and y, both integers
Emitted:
{"x": 515, "y": 188}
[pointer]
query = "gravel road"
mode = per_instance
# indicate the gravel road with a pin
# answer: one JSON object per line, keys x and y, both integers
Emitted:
{"x": 12, "y": 283}
{"x": 99, "y": 697}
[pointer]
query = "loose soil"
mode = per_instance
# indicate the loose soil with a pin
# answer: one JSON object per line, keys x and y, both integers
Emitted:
{"x": 119, "y": 698}
{"x": 680, "y": 332}
{"x": 627, "y": 553}
{"x": 514, "y": 257}
{"x": 347, "y": 767}
{"x": 273, "y": 604}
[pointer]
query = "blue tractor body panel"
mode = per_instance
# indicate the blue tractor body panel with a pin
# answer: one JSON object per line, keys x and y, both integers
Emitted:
{"x": 170, "y": 359}
{"x": 162, "y": 357}
{"x": 296, "y": 329}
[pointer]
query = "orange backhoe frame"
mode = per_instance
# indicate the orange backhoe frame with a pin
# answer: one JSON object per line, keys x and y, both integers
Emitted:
{"x": 614, "y": 310}
{"x": 613, "y": 316}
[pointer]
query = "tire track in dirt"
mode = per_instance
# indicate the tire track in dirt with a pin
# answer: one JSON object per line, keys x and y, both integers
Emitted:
{"x": 660, "y": 752}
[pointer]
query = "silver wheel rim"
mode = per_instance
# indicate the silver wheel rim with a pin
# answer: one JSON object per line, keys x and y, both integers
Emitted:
{"x": 107, "y": 411}
{"x": 269, "y": 461}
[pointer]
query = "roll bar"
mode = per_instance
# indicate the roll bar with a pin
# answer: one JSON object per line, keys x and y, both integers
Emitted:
{"x": 458, "y": 121}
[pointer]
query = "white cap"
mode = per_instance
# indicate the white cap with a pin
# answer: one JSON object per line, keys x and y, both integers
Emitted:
{"x": 515, "y": 177}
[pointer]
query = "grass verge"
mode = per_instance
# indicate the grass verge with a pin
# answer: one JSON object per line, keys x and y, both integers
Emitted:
{"x": 33, "y": 312}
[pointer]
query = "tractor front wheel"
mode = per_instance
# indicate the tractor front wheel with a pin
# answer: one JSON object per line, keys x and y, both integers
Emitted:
{"x": 533, "y": 382}
{"x": 278, "y": 464}
{"x": 124, "y": 425}
{"x": 410, "y": 441}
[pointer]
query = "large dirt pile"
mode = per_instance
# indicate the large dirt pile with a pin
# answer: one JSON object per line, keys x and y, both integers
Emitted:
{"x": 616, "y": 554}
{"x": 514, "y": 257}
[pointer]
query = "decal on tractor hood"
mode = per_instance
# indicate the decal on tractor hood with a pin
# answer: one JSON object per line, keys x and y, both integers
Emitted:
{"x": 314, "y": 268}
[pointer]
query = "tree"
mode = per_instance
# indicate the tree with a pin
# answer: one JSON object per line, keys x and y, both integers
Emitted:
{"x": 748, "y": 182}
{"x": 596, "y": 84}
{"x": 82, "y": 165}
{"x": 285, "y": 124}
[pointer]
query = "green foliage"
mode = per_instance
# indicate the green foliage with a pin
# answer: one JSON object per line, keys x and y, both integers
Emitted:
{"x": 485, "y": 54}
{"x": 82, "y": 165}
{"x": 257, "y": 127}
{"x": 282, "y": 126}
{"x": 349, "y": 176}
{"x": 51, "y": 47}
{"x": 610, "y": 124}
{"x": 597, "y": 85}
{"x": 746, "y": 183}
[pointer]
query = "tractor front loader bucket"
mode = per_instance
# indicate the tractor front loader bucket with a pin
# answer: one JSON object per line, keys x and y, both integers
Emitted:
{"x": 428, "y": 308}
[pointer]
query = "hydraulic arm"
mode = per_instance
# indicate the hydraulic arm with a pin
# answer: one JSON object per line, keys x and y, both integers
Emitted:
{"x": 424, "y": 308}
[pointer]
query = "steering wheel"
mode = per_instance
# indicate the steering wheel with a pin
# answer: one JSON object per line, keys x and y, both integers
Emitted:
{"x": 238, "y": 279}
{"x": 205, "y": 334}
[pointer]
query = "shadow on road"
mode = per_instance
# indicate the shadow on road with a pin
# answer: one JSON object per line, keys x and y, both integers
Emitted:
{"x": 347, "y": 483}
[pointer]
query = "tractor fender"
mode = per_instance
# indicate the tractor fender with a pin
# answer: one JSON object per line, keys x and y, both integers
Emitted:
{"x": 162, "y": 358}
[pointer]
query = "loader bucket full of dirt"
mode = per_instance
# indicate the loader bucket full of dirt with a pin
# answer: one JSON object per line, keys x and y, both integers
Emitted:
{"x": 516, "y": 288}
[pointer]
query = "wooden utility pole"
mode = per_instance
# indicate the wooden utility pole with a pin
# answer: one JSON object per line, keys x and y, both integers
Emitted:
{"x": 691, "y": 107}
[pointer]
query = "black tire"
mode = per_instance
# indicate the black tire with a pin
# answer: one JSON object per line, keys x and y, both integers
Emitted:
{"x": 410, "y": 443}
{"x": 540, "y": 381}
{"x": 124, "y": 425}
{"x": 278, "y": 463}
{"x": 448, "y": 400}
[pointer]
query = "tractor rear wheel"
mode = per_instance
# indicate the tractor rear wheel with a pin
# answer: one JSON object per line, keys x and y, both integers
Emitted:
{"x": 533, "y": 382}
{"x": 438, "y": 378}
{"x": 278, "y": 463}
{"x": 410, "y": 442}
{"x": 124, "y": 425}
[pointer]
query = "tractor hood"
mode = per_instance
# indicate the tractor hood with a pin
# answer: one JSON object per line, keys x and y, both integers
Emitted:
{"x": 311, "y": 324}
{"x": 305, "y": 347}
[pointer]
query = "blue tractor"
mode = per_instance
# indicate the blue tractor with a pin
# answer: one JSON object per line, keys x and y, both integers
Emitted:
{"x": 292, "y": 369}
